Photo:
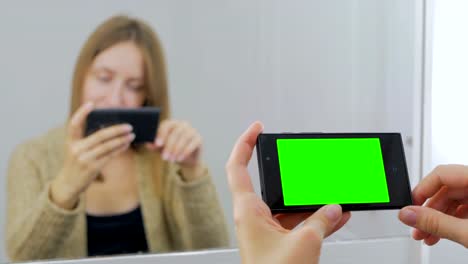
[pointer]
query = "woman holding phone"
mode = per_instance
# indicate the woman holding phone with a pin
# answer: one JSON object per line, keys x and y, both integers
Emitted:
{"x": 71, "y": 195}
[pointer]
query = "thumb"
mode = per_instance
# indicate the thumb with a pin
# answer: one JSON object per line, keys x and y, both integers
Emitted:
{"x": 78, "y": 121}
{"x": 324, "y": 220}
{"x": 436, "y": 223}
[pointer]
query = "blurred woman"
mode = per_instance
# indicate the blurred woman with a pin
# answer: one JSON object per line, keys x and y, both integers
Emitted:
{"x": 73, "y": 196}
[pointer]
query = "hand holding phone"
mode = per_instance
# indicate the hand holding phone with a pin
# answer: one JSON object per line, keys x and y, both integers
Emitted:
{"x": 267, "y": 238}
{"x": 85, "y": 156}
{"x": 360, "y": 171}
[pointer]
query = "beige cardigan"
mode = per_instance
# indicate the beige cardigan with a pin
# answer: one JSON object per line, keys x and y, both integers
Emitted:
{"x": 186, "y": 216}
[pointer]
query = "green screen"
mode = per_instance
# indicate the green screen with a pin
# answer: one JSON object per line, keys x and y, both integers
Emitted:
{"x": 332, "y": 171}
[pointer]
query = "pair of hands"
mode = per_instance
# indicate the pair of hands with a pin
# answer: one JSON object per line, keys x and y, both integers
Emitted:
{"x": 267, "y": 238}
{"x": 176, "y": 140}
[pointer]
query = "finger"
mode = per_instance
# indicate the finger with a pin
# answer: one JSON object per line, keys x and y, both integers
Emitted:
{"x": 440, "y": 200}
{"x": 442, "y": 205}
{"x": 77, "y": 121}
{"x": 462, "y": 212}
{"x": 185, "y": 139}
{"x": 99, "y": 163}
{"x": 324, "y": 221}
{"x": 457, "y": 194}
{"x": 448, "y": 208}
{"x": 452, "y": 208}
{"x": 172, "y": 139}
{"x": 106, "y": 158}
{"x": 104, "y": 135}
{"x": 419, "y": 234}
{"x": 453, "y": 176}
{"x": 447, "y": 198}
{"x": 192, "y": 146}
{"x": 435, "y": 223}
{"x": 107, "y": 148}
{"x": 236, "y": 167}
{"x": 431, "y": 240}
{"x": 165, "y": 128}
{"x": 344, "y": 219}
{"x": 290, "y": 221}
{"x": 150, "y": 146}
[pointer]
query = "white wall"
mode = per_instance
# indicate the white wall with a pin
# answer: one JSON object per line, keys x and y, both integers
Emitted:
{"x": 298, "y": 66}
{"x": 447, "y": 82}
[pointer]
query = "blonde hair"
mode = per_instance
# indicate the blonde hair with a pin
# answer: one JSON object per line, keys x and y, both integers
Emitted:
{"x": 119, "y": 29}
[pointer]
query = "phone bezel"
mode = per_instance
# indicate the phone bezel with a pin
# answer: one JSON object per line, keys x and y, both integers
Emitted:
{"x": 144, "y": 120}
{"x": 394, "y": 163}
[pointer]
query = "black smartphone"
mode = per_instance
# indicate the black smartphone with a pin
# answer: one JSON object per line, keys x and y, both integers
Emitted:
{"x": 360, "y": 171}
{"x": 144, "y": 121}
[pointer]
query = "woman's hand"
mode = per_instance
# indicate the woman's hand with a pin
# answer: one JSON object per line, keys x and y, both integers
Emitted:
{"x": 441, "y": 206}
{"x": 264, "y": 238}
{"x": 85, "y": 156}
{"x": 179, "y": 142}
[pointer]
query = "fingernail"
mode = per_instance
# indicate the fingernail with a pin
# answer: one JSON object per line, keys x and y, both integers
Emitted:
{"x": 131, "y": 137}
{"x": 159, "y": 142}
{"x": 165, "y": 156}
{"x": 333, "y": 212}
{"x": 128, "y": 127}
{"x": 408, "y": 216}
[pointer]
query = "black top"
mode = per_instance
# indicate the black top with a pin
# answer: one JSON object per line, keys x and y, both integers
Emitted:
{"x": 116, "y": 234}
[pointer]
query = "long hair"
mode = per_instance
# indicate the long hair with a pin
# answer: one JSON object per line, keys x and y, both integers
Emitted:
{"x": 119, "y": 29}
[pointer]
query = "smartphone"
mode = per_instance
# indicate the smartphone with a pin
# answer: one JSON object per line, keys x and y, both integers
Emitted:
{"x": 301, "y": 172}
{"x": 144, "y": 121}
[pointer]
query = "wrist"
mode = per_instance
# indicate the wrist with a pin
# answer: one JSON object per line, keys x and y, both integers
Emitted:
{"x": 193, "y": 172}
{"x": 61, "y": 195}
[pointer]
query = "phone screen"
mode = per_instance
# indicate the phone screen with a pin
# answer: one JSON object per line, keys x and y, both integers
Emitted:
{"x": 332, "y": 171}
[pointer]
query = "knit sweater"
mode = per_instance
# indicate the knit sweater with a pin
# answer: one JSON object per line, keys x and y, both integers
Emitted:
{"x": 177, "y": 216}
